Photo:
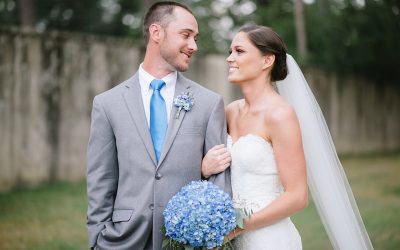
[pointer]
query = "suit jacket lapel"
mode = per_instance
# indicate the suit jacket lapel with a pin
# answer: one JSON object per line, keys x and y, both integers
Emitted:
{"x": 134, "y": 102}
{"x": 182, "y": 85}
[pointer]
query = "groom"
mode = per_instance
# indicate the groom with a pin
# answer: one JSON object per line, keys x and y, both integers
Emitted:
{"x": 142, "y": 150}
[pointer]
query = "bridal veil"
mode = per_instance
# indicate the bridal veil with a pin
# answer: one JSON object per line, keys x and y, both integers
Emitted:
{"x": 327, "y": 181}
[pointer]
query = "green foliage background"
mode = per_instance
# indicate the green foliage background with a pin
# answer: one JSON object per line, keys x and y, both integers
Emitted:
{"x": 342, "y": 36}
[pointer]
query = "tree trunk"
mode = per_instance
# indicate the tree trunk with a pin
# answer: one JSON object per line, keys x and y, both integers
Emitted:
{"x": 147, "y": 4}
{"x": 27, "y": 13}
{"x": 300, "y": 28}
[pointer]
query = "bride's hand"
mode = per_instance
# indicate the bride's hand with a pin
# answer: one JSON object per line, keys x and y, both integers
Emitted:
{"x": 215, "y": 161}
{"x": 233, "y": 234}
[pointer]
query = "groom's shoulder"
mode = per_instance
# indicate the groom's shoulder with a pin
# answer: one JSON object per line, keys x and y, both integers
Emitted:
{"x": 114, "y": 92}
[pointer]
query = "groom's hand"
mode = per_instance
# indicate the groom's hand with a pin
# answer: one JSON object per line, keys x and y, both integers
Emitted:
{"x": 215, "y": 161}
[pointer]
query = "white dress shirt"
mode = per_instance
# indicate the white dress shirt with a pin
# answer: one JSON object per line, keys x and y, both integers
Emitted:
{"x": 167, "y": 92}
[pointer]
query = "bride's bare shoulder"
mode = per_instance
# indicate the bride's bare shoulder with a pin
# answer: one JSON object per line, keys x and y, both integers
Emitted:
{"x": 280, "y": 112}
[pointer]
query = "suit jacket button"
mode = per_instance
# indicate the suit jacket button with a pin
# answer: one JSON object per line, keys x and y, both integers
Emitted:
{"x": 151, "y": 207}
{"x": 158, "y": 176}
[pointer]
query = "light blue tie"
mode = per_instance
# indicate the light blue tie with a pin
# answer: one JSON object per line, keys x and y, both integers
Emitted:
{"x": 158, "y": 117}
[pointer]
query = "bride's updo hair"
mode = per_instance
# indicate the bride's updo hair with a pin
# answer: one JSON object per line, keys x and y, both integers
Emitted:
{"x": 269, "y": 42}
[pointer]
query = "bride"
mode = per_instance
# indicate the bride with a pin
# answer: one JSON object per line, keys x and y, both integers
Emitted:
{"x": 271, "y": 137}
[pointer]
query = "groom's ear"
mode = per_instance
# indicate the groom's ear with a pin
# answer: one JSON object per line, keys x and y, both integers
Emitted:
{"x": 268, "y": 61}
{"x": 156, "y": 32}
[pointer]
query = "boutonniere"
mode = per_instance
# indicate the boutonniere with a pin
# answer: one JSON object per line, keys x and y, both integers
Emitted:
{"x": 183, "y": 101}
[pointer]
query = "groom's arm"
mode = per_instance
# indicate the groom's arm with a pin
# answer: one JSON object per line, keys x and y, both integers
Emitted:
{"x": 102, "y": 172}
{"x": 216, "y": 134}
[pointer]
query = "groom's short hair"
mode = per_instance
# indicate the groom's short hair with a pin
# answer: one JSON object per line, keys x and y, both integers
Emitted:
{"x": 161, "y": 13}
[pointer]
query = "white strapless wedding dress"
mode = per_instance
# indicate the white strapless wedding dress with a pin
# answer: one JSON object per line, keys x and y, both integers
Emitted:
{"x": 255, "y": 184}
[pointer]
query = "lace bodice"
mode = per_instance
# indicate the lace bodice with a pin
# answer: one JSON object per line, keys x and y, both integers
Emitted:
{"x": 255, "y": 180}
{"x": 255, "y": 184}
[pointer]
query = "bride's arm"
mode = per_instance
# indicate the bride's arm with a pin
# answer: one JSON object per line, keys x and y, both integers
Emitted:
{"x": 284, "y": 132}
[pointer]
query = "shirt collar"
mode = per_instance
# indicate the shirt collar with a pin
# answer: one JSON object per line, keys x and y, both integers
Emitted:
{"x": 146, "y": 78}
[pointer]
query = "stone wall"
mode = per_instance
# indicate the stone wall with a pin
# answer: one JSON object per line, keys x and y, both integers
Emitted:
{"x": 48, "y": 81}
{"x": 362, "y": 115}
{"x": 47, "y": 84}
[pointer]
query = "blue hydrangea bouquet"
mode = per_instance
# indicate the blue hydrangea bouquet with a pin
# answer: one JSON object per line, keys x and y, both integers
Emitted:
{"x": 198, "y": 217}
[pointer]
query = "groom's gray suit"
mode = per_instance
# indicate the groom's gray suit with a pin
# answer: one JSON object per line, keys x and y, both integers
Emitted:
{"x": 127, "y": 189}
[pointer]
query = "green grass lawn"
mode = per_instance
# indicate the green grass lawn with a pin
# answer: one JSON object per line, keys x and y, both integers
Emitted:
{"x": 54, "y": 216}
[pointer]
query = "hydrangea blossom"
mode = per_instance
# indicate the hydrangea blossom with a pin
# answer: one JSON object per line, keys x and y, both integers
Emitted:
{"x": 199, "y": 215}
{"x": 184, "y": 101}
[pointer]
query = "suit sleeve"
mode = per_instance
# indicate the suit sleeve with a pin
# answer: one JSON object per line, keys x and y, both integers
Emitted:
{"x": 216, "y": 134}
{"x": 102, "y": 172}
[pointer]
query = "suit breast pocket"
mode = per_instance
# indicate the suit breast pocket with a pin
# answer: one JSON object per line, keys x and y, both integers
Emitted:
{"x": 190, "y": 131}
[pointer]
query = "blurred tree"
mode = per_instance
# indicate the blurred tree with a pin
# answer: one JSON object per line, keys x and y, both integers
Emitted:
{"x": 111, "y": 17}
{"x": 301, "y": 39}
{"x": 219, "y": 20}
{"x": 346, "y": 36}
{"x": 342, "y": 35}
{"x": 9, "y": 13}
{"x": 279, "y": 15}
{"x": 27, "y": 13}
{"x": 356, "y": 38}
{"x": 323, "y": 5}
{"x": 147, "y": 3}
